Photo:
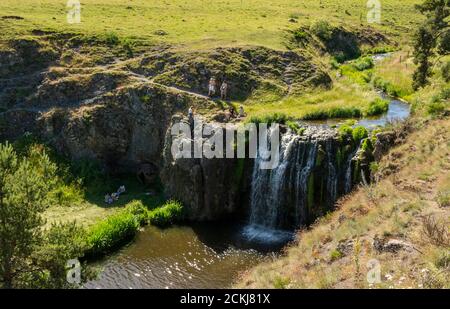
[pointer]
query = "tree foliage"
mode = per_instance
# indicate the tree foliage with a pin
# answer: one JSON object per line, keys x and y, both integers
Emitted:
{"x": 431, "y": 39}
{"x": 31, "y": 256}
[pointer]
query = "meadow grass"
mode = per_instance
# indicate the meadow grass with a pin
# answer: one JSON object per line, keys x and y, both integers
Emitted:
{"x": 202, "y": 23}
{"x": 394, "y": 74}
{"x": 345, "y": 99}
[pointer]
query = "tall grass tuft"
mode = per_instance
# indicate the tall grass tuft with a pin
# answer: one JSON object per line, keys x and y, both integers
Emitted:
{"x": 377, "y": 107}
{"x": 115, "y": 230}
{"x": 170, "y": 213}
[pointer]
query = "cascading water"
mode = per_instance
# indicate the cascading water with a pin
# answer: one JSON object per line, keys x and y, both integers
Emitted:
{"x": 305, "y": 184}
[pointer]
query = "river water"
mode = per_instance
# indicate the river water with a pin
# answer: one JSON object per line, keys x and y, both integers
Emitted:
{"x": 198, "y": 256}
{"x": 201, "y": 255}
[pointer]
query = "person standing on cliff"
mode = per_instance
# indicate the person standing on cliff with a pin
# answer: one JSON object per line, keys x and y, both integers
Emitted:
{"x": 191, "y": 117}
{"x": 223, "y": 90}
{"x": 212, "y": 87}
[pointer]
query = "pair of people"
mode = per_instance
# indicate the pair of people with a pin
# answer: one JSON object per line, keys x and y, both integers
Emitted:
{"x": 212, "y": 88}
{"x": 233, "y": 114}
{"x": 111, "y": 198}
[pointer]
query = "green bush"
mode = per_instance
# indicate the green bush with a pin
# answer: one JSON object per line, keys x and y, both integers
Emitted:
{"x": 363, "y": 63}
{"x": 335, "y": 255}
{"x": 322, "y": 29}
{"x": 66, "y": 195}
{"x": 377, "y": 107}
{"x": 359, "y": 133}
{"x": 112, "y": 39}
{"x": 166, "y": 215}
{"x": 389, "y": 88}
{"x": 281, "y": 283}
{"x": 112, "y": 232}
{"x": 295, "y": 127}
{"x": 379, "y": 50}
{"x": 299, "y": 35}
{"x": 445, "y": 71}
{"x": 443, "y": 198}
{"x": 439, "y": 103}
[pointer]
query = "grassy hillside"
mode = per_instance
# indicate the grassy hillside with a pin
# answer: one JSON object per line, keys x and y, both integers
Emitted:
{"x": 202, "y": 23}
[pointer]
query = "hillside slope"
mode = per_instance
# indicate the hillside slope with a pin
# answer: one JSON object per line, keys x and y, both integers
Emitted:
{"x": 400, "y": 223}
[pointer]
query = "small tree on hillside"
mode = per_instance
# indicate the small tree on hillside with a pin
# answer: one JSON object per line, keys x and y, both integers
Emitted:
{"x": 30, "y": 255}
{"x": 24, "y": 187}
{"x": 431, "y": 39}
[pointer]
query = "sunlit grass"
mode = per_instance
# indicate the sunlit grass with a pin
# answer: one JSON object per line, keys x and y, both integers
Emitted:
{"x": 343, "y": 95}
{"x": 201, "y": 23}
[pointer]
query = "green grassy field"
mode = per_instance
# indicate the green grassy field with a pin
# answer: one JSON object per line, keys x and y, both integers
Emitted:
{"x": 202, "y": 23}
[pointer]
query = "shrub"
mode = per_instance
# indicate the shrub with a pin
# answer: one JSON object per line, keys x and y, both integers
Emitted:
{"x": 335, "y": 255}
{"x": 87, "y": 170}
{"x": 168, "y": 214}
{"x": 363, "y": 63}
{"x": 439, "y": 103}
{"x": 357, "y": 134}
{"x": 435, "y": 231}
{"x": 128, "y": 46}
{"x": 374, "y": 167}
{"x": 299, "y": 35}
{"x": 281, "y": 283}
{"x": 345, "y": 131}
{"x": 115, "y": 230}
{"x": 377, "y": 107}
{"x": 295, "y": 127}
{"x": 64, "y": 195}
{"x": 389, "y": 88}
{"x": 379, "y": 50}
{"x": 445, "y": 71}
{"x": 443, "y": 198}
{"x": 322, "y": 29}
{"x": 112, "y": 39}
{"x": 436, "y": 108}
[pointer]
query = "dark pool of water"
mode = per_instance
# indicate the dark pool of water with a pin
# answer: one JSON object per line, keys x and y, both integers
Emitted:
{"x": 199, "y": 256}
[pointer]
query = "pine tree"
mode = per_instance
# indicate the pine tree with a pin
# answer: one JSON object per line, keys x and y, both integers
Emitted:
{"x": 431, "y": 39}
{"x": 31, "y": 256}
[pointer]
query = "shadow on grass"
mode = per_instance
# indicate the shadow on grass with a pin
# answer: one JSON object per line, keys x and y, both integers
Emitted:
{"x": 150, "y": 196}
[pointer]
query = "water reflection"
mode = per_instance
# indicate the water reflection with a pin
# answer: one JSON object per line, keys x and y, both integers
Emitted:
{"x": 202, "y": 256}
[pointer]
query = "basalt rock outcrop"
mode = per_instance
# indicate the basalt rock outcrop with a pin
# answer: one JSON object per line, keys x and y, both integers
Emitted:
{"x": 209, "y": 188}
{"x": 123, "y": 129}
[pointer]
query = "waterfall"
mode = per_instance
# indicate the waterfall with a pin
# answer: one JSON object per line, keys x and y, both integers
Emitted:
{"x": 306, "y": 183}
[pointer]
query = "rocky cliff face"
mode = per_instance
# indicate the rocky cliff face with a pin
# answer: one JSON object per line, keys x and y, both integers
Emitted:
{"x": 124, "y": 129}
{"x": 208, "y": 187}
